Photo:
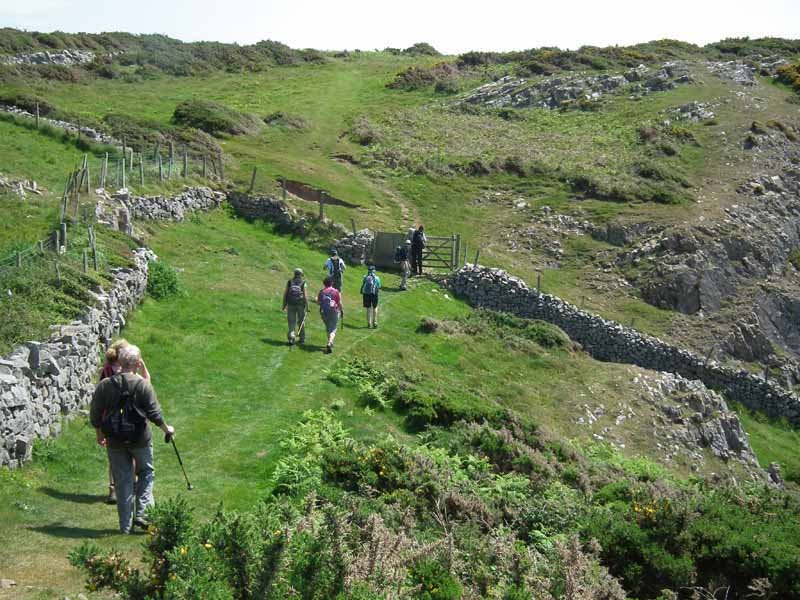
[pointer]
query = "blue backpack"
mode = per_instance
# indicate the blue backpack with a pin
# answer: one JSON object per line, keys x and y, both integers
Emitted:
{"x": 327, "y": 305}
{"x": 370, "y": 286}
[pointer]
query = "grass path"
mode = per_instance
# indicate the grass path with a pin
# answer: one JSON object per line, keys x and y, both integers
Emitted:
{"x": 226, "y": 380}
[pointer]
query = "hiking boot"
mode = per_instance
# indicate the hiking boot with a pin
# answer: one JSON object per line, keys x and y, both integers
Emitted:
{"x": 112, "y": 495}
{"x": 141, "y": 523}
{"x": 328, "y": 349}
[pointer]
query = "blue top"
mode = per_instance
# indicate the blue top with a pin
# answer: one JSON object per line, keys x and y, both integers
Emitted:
{"x": 377, "y": 282}
{"x": 329, "y": 265}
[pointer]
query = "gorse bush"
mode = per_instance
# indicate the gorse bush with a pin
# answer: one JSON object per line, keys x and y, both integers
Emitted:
{"x": 492, "y": 511}
{"x": 162, "y": 281}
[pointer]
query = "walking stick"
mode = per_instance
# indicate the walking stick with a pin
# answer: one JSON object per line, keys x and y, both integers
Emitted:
{"x": 299, "y": 329}
{"x": 169, "y": 438}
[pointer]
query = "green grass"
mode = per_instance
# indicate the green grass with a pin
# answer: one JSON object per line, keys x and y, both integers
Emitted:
{"x": 773, "y": 442}
{"x": 232, "y": 388}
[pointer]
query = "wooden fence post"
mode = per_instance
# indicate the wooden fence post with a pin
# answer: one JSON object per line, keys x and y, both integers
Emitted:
{"x": 116, "y": 174}
{"x": 58, "y": 273}
{"x": 156, "y": 151}
{"x": 85, "y": 261}
{"x": 477, "y": 255}
{"x": 185, "y": 162}
{"x": 252, "y": 181}
{"x": 539, "y": 281}
{"x": 58, "y": 240}
{"x": 160, "y": 169}
{"x": 63, "y": 237}
{"x": 221, "y": 167}
{"x": 204, "y": 167}
{"x": 123, "y": 170}
{"x": 41, "y": 247}
{"x": 93, "y": 239}
{"x": 283, "y": 187}
{"x": 104, "y": 171}
{"x": 453, "y": 252}
{"x": 353, "y": 223}
{"x": 171, "y": 158}
{"x": 465, "y": 254}
{"x": 141, "y": 169}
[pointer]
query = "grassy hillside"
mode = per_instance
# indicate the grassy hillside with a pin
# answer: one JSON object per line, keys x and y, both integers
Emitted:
{"x": 233, "y": 389}
{"x": 464, "y": 445}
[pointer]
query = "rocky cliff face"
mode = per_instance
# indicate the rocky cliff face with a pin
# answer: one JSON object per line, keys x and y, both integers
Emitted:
{"x": 61, "y": 57}
{"x": 555, "y": 92}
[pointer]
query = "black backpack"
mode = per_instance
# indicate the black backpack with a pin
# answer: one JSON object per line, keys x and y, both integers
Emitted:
{"x": 399, "y": 254}
{"x": 124, "y": 422}
{"x": 417, "y": 239}
{"x": 337, "y": 266}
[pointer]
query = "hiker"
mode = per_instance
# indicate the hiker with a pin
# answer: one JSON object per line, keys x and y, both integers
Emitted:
{"x": 121, "y": 406}
{"x": 401, "y": 256}
{"x": 335, "y": 267}
{"x": 295, "y": 303}
{"x": 110, "y": 368}
{"x": 330, "y": 308}
{"x": 369, "y": 291}
{"x": 418, "y": 242}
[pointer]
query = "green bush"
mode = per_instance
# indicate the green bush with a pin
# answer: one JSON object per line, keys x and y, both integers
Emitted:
{"x": 162, "y": 281}
{"x": 213, "y": 118}
{"x": 435, "y": 581}
{"x": 794, "y": 258}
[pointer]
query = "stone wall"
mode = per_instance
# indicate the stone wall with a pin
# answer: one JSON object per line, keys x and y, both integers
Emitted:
{"x": 42, "y": 381}
{"x": 354, "y": 249}
{"x": 609, "y": 341}
{"x": 171, "y": 208}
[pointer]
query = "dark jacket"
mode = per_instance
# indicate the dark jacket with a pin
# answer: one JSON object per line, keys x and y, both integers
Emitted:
{"x": 108, "y": 396}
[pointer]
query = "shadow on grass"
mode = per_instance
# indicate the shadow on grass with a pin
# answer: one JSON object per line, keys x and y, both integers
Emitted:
{"x": 77, "y": 498}
{"x": 278, "y": 343}
{"x": 63, "y": 531}
{"x": 310, "y": 347}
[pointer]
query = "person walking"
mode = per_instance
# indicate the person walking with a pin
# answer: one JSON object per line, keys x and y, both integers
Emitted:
{"x": 330, "y": 308}
{"x": 335, "y": 267}
{"x": 418, "y": 243}
{"x": 120, "y": 410}
{"x": 295, "y": 303}
{"x": 110, "y": 368}
{"x": 401, "y": 256}
{"x": 370, "y": 286}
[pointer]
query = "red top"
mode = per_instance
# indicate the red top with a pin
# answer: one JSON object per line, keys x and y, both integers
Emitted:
{"x": 333, "y": 293}
{"x": 109, "y": 370}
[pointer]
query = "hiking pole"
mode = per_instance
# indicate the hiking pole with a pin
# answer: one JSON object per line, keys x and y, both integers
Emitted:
{"x": 299, "y": 329}
{"x": 167, "y": 439}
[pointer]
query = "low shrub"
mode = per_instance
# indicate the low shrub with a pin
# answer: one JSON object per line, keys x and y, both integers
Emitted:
{"x": 364, "y": 132}
{"x": 287, "y": 120}
{"x": 213, "y": 118}
{"x": 794, "y": 258}
{"x": 162, "y": 281}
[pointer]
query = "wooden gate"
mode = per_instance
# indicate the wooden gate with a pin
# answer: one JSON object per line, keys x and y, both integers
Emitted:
{"x": 442, "y": 252}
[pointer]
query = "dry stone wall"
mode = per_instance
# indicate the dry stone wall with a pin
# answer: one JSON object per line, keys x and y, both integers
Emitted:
{"x": 42, "y": 381}
{"x": 609, "y": 341}
{"x": 171, "y": 208}
{"x": 353, "y": 248}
